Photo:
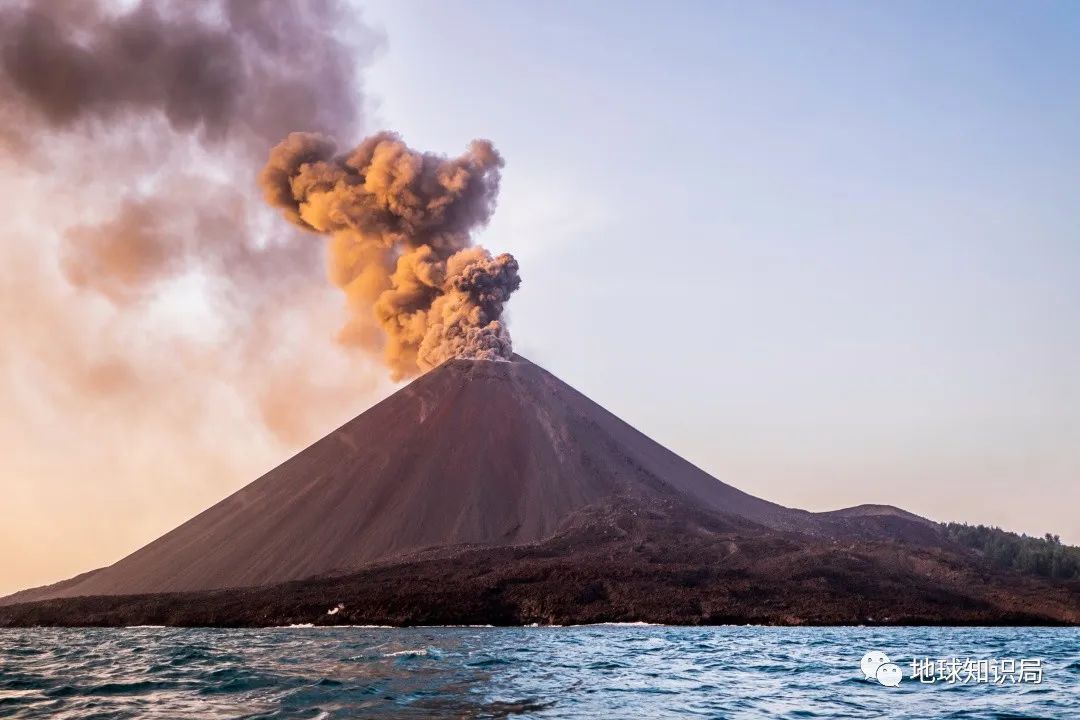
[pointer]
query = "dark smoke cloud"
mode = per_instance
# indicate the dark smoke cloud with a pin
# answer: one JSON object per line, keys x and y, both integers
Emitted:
{"x": 232, "y": 77}
{"x": 401, "y": 225}
{"x": 240, "y": 69}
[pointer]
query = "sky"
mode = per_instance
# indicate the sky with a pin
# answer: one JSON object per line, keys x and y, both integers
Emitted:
{"x": 828, "y": 252}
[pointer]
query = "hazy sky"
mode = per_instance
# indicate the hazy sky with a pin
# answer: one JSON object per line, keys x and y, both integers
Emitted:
{"x": 829, "y": 252}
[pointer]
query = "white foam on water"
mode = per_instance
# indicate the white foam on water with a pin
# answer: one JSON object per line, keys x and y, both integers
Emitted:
{"x": 416, "y": 653}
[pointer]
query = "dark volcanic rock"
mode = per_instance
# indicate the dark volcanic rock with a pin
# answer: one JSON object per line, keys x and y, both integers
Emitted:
{"x": 618, "y": 565}
{"x": 491, "y": 492}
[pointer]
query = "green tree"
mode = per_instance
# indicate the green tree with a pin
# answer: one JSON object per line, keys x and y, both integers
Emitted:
{"x": 1046, "y": 556}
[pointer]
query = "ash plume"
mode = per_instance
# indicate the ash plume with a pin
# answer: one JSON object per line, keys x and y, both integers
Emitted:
{"x": 400, "y": 224}
{"x": 228, "y": 69}
{"x": 160, "y": 87}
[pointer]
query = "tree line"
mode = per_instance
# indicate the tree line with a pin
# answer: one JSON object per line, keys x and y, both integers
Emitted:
{"x": 1045, "y": 556}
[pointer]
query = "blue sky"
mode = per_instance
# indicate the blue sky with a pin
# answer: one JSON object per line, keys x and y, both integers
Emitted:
{"x": 829, "y": 252}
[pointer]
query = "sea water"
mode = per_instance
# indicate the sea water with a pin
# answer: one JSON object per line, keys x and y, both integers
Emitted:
{"x": 572, "y": 672}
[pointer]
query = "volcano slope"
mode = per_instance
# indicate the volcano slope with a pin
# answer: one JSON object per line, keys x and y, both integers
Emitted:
{"x": 491, "y": 492}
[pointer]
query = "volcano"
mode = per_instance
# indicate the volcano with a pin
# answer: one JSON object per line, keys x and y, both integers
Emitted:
{"x": 491, "y": 491}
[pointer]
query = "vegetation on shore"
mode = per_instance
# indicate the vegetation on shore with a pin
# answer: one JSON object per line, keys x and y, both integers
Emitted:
{"x": 1046, "y": 556}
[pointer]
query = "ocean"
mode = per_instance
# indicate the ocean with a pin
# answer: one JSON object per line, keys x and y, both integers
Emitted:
{"x": 546, "y": 672}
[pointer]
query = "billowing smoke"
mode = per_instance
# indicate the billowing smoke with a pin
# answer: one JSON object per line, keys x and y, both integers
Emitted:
{"x": 245, "y": 70}
{"x": 401, "y": 225}
{"x": 182, "y": 99}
